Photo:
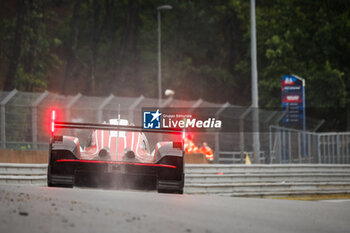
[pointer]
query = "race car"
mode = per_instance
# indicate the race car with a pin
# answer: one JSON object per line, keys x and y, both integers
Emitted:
{"x": 118, "y": 156}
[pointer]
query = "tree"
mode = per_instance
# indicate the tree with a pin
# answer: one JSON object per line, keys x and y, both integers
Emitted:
{"x": 310, "y": 49}
{"x": 17, "y": 45}
{"x": 111, "y": 46}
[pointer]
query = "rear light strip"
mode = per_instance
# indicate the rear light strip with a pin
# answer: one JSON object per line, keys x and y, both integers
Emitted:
{"x": 115, "y": 162}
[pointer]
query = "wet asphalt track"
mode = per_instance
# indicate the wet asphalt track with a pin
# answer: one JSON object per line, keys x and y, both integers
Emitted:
{"x": 42, "y": 209}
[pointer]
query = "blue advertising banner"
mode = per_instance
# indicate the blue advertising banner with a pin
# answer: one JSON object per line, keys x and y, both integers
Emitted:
{"x": 293, "y": 101}
{"x": 293, "y": 105}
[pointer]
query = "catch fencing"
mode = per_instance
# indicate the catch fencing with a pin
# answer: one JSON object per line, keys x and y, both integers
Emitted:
{"x": 25, "y": 119}
{"x": 297, "y": 146}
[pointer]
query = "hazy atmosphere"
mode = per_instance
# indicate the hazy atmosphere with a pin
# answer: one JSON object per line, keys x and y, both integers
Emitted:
{"x": 190, "y": 116}
{"x": 101, "y": 47}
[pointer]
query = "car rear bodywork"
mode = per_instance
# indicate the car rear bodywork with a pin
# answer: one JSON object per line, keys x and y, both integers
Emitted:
{"x": 124, "y": 167}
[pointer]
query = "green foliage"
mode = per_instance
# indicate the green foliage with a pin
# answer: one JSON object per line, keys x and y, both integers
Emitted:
{"x": 308, "y": 43}
{"x": 205, "y": 48}
{"x": 305, "y": 38}
{"x": 36, "y": 57}
{"x": 25, "y": 81}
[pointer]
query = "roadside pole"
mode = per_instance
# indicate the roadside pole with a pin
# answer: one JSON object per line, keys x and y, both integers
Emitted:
{"x": 255, "y": 94}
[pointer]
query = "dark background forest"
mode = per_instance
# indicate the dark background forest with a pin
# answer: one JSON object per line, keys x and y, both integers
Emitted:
{"x": 98, "y": 47}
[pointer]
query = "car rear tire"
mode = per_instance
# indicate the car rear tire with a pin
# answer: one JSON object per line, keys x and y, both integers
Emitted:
{"x": 170, "y": 186}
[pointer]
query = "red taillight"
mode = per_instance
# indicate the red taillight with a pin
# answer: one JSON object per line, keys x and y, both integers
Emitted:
{"x": 53, "y": 117}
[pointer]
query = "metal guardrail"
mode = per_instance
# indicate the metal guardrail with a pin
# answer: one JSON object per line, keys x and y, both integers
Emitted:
{"x": 267, "y": 180}
{"x": 230, "y": 157}
{"x": 231, "y": 180}
{"x": 19, "y": 173}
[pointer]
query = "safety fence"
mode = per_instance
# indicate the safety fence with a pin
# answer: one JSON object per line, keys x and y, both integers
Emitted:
{"x": 25, "y": 118}
{"x": 229, "y": 180}
{"x": 297, "y": 146}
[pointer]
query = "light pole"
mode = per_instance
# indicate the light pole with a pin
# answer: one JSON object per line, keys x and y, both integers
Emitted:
{"x": 164, "y": 7}
{"x": 255, "y": 95}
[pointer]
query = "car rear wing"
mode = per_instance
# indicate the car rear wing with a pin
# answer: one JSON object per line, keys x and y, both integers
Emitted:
{"x": 73, "y": 125}
{"x": 96, "y": 126}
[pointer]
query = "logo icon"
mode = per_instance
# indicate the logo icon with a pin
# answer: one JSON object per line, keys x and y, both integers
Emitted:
{"x": 289, "y": 81}
{"x": 151, "y": 120}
